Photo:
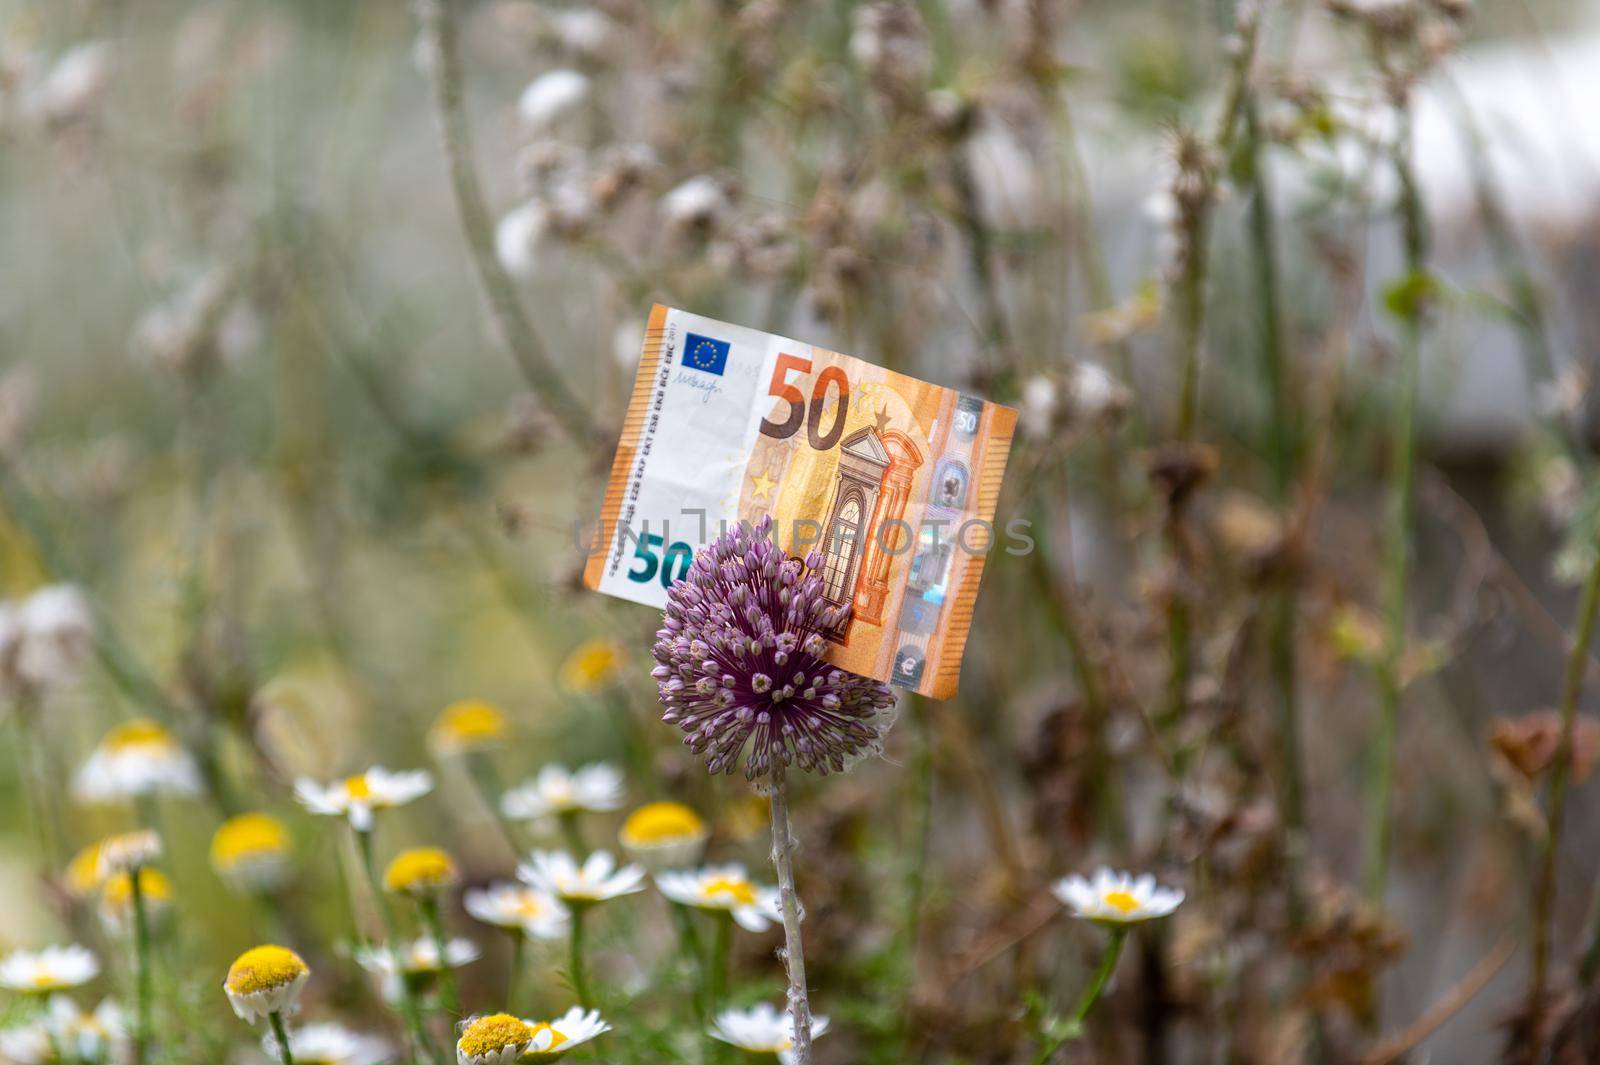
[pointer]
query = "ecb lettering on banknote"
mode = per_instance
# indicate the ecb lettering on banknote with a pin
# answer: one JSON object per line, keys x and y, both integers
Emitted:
{"x": 895, "y": 480}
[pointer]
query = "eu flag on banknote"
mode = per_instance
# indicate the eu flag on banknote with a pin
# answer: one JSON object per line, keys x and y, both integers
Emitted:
{"x": 703, "y": 353}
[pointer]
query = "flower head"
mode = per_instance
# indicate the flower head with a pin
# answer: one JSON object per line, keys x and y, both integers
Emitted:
{"x": 419, "y": 960}
{"x": 724, "y": 888}
{"x": 523, "y": 909}
{"x": 421, "y": 871}
{"x": 136, "y": 758}
{"x": 1116, "y": 898}
{"x": 592, "y": 666}
{"x": 576, "y": 1026}
{"x": 663, "y": 835}
{"x": 761, "y": 1029}
{"x": 596, "y": 880}
{"x": 330, "y": 1044}
{"x": 48, "y": 970}
{"x": 740, "y": 663}
{"x": 359, "y": 796}
{"x": 591, "y": 788}
{"x": 82, "y": 877}
{"x": 66, "y": 1030}
{"x": 468, "y": 725}
{"x": 44, "y": 638}
{"x": 116, "y": 898}
{"x": 265, "y": 980}
{"x": 497, "y": 1039}
{"x": 251, "y": 852}
{"x": 127, "y": 852}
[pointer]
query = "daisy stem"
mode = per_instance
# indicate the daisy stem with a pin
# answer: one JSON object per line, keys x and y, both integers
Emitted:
{"x": 408, "y": 1001}
{"x": 580, "y": 983}
{"x": 794, "y": 957}
{"x": 141, "y": 962}
{"x": 285, "y": 1055}
{"x": 716, "y": 977}
{"x": 447, "y": 978}
{"x": 519, "y": 943}
{"x": 573, "y": 834}
{"x": 1091, "y": 995}
{"x": 486, "y": 779}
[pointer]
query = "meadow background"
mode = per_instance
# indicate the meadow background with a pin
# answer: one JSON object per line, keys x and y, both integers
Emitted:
{"x": 318, "y": 478}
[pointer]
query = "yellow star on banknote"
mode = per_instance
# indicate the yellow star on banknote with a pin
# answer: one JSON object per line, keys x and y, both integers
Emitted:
{"x": 763, "y": 485}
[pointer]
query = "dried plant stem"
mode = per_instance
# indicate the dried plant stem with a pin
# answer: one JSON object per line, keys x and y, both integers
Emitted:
{"x": 511, "y": 321}
{"x": 794, "y": 957}
{"x": 1555, "y": 810}
{"x": 1397, "y": 544}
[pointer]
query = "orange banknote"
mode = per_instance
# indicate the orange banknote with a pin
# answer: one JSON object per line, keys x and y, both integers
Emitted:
{"x": 894, "y": 479}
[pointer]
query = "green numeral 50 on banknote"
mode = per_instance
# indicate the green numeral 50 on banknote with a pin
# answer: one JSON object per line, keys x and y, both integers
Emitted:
{"x": 895, "y": 480}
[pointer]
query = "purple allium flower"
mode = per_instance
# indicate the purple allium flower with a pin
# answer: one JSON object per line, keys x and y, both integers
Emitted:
{"x": 740, "y": 659}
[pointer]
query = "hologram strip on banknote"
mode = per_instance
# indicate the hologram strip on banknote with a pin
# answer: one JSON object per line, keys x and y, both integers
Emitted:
{"x": 894, "y": 479}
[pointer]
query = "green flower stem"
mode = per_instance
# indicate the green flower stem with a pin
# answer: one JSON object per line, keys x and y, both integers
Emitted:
{"x": 408, "y": 1000}
{"x": 1091, "y": 994}
{"x": 689, "y": 947}
{"x": 141, "y": 962}
{"x": 794, "y": 955}
{"x": 580, "y": 982}
{"x": 519, "y": 947}
{"x": 573, "y": 834}
{"x": 717, "y": 970}
{"x": 1555, "y": 812}
{"x": 285, "y": 1055}
{"x": 429, "y": 905}
{"x": 486, "y": 781}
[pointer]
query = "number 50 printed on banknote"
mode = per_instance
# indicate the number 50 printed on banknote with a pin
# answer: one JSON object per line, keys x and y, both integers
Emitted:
{"x": 893, "y": 479}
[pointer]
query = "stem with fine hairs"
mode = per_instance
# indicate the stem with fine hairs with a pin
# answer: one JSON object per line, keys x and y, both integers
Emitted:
{"x": 794, "y": 957}
{"x": 511, "y": 321}
{"x": 1555, "y": 813}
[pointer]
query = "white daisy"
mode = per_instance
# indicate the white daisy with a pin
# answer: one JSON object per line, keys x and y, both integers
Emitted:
{"x": 64, "y": 1028}
{"x": 592, "y": 788}
{"x": 330, "y": 1044}
{"x": 553, "y": 1038}
{"x": 726, "y": 888}
{"x": 136, "y": 758}
{"x": 128, "y": 852}
{"x": 551, "y": 97}
{"x": 1115, "y": 897}
{"x": 359, "y": 796}
{"x": 419, "y": 959}
{"x": 495, "y": 1039}
{"x": 265, "y": 980}
{"x": 47, "y": 970}
{"x": 534, "y": 913}
{"x": 761, "y": 1029}
{"x": 596, "y": 880}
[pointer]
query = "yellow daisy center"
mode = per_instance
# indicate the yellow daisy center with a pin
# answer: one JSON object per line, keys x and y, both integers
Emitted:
{"x": 470, "y": 722}
{"x": 494, "y": 1032}
{"x": 141, "y": 732}
{"x": 556, "y": 1038}
{"x": 45, "y": 981}
{"x": 530, "y": 905}
{"x": 741, "y": 891}
{"x": 248, "y": 836}
{"x": 420, "y": 869}
{"x": 265, "y": 969}
{"x": 83, "y": 872}
{"x": 1121, "y": 901}
{"x": 156, "y": 889}
{"x": 591, "y": 665}
{"x": 356, "y": 787}
{"x": 662, "y": 822}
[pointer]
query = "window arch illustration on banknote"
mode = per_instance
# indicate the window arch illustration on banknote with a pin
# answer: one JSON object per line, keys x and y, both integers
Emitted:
{"x": 874, "y": 483}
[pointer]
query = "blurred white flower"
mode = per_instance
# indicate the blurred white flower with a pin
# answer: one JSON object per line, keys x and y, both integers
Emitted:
{"x": 418, "y": 959}
{"x": 551, "y": 97}
{"x": 1115, "y": 897}
{"x": 330, "y": 1044}
{"x": 592, "y": 788}
{"x": 44, "y": 639}
{"x": 761, "y": 1029}
{"x": 577, "y": 1025}
{"x": 518, "y": 237}
{"x": 65, "y": 1030}
{"x": 127, "y": 852}
{"x": 727, "y": 889}
{"x": 700, "y": 201}
{"x": 47, "y": 970}
{"x": 134, "y": 759}
{"x": 74, "y": 86}
{"x": 359, "y": 796}
{"x": 597, "y": 880}
{"x": 519, "y": 908}
{"x": 581, "y": 31}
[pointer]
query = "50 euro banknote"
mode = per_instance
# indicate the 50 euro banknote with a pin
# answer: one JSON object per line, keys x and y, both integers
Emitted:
{"x": 895, "y": 480}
